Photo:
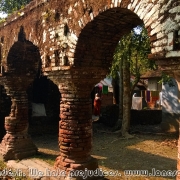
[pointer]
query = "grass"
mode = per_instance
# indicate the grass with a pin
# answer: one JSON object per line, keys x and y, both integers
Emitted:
{"x": 49, "y": 158}
{"x": 4, "y": 167}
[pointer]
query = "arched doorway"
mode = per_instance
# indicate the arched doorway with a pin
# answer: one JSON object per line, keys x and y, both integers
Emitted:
{"x": 22, "y": 65}
{"x": 92, "y": 58}
{"x": 44, "y": 100}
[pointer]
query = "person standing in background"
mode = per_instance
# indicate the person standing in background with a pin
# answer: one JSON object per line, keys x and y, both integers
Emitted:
{"x": 97, "y": 105}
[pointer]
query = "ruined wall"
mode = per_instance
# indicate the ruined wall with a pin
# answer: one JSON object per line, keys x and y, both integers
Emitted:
{"x": 66, "y": 32}
{"x": 73, "y": 42}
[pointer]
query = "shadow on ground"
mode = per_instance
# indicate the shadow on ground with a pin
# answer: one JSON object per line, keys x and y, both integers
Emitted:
{"x": 148, "y": 150}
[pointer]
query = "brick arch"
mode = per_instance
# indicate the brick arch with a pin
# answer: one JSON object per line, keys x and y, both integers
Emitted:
{"x": 99, "y": 38}
{"x": 109, "y": 17}
{"x": 10, "y": 39}
{"x": 161, "y": 19}
{"x": 23, "y": 61}
{"x": 23, "y": 57}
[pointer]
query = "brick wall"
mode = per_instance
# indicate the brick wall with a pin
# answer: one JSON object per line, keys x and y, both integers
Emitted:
{"x": 59, "y": 30}
{"x": 73, "y": 42}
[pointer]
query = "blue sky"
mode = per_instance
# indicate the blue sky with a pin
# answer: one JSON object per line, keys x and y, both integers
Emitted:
{"x": 2, "y": 15}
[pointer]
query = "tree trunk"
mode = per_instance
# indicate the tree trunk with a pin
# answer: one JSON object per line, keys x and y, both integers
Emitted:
{"x": 126, "y": 99}
{"x": 115, "y": 84}
{"x": 121, "y": 91}
{"x": 118, "y": 124}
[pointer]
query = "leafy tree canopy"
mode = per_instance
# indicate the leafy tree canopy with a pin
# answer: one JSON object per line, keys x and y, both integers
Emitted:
{"x": 9, "y": 6}
{"x": 135, "y": 47}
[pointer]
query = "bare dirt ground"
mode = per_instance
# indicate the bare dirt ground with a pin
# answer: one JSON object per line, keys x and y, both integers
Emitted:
{"x": 149, "y": 150}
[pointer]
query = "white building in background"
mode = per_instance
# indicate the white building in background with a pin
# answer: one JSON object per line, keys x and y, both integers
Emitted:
{"x": 153, "y": 77}
{"x": 170, "y": 100}
{"x": 106, "y": 82}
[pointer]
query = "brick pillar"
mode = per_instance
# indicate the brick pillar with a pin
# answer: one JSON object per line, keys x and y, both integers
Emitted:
{"x": 17, "y": 144}
{"x": 75, "y": 129}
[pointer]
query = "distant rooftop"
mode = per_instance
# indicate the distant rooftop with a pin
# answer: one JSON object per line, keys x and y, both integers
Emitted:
{"x": 107, "y": 82}
{"x": 152, "y": 74}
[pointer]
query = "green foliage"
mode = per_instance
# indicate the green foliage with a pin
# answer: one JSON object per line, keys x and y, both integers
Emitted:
{"x": 9, "y": 6}
{"x": 134, "y": 46}
{"x": 2, "y": 20}
{"x": 166, "y": 79}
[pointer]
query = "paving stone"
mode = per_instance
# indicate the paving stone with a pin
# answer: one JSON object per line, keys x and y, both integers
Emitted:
{"x": 33, "y": 168}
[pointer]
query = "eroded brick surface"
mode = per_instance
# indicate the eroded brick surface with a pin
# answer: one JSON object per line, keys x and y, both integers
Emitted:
{"x": 72, "y": 42}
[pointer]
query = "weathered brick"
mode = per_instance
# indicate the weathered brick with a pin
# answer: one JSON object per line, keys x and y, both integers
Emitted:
{"x": 84, "y": 51}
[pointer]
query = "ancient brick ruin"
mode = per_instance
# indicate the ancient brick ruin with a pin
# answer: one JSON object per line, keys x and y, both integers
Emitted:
{"x": 72, "y": 43}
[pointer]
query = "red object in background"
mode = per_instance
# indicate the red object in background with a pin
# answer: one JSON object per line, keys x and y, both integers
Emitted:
{"x": 100, "y": 88}
{"x": 97, "y": 105}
